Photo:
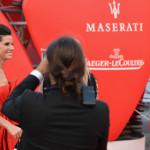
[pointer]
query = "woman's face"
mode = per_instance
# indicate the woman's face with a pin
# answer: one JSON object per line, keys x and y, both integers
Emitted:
{"x": 6, "y": 47}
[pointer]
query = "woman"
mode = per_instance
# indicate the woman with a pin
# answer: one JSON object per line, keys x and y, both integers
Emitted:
{"x": 7, "y": 141}
{"x": 57, "y": 119}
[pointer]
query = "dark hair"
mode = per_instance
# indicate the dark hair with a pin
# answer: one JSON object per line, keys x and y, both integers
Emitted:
{"x": 4, "y": 30}
{"x": 66, "y": 64}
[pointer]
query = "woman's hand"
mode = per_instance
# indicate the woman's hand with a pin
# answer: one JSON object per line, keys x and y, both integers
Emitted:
{"x": 15, "y": 131}
{"x": 43, "y": 66}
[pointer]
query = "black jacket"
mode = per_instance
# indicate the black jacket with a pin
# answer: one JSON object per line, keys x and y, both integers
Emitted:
{"x": 53, "y": 121}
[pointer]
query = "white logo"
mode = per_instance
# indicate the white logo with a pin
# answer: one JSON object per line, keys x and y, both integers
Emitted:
{"x": 116, "y": 61}
{"x": 114, "y": 8}
{"x": 114, "y": 27}
{"x": 116, "y": 54}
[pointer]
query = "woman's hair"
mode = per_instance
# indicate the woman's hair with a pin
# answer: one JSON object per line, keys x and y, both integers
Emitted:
{"x": 4, "y": 30}
{"x": 66, "y": 64}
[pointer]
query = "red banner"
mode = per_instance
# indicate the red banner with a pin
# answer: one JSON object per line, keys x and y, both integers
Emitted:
{"x": 115, "y": 36}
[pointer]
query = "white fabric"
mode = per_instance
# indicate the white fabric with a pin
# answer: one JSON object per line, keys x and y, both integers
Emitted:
{"x": 37, "y": 74}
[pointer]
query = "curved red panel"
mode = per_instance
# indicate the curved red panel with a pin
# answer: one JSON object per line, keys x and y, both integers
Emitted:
{"x": 19, "y": 66}
{"x": 115, "y": 35}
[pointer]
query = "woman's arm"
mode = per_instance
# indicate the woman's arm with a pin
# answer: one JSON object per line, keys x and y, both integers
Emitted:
{"x": 12, "y": 129}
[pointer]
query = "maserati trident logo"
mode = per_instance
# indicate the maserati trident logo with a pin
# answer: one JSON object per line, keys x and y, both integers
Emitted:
{"x": 115, "y": 26}
{"x": 114, "y": 8}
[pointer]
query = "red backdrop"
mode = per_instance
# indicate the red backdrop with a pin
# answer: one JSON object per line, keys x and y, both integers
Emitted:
{"x": 115, "y": 36}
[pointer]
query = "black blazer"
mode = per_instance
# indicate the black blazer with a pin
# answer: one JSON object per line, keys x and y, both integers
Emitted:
{"x": 53, "y": 121}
